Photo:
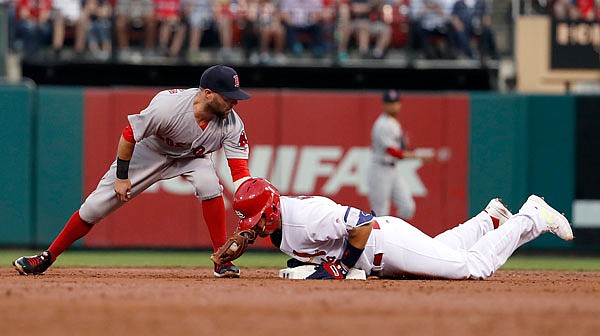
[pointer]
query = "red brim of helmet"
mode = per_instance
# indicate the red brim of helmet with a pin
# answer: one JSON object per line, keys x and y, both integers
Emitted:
{"x": 248, "y": 223}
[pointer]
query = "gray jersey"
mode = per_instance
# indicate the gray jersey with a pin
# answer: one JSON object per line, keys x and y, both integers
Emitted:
{"x": 386, "y": 132}
{"x": 170, "y": 143}
{"x": 168, "y": 126}
{"x": 384, "y": 181}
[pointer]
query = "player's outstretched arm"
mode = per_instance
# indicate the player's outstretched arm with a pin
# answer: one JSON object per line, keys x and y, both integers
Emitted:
{"x": 424, "y": 154}
{"x": 357, "y": 240}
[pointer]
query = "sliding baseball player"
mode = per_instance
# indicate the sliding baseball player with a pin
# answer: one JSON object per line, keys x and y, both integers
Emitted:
{"x": 336, "y": 238}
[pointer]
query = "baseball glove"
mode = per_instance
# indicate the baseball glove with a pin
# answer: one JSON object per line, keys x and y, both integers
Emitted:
{"x": 234, "y": 247}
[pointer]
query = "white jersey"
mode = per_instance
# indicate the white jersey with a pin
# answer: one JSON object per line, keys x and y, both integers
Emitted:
{"x": 168, "y": 126}
{"x": 315, "y": 230}
{"x": 386, "y": 132}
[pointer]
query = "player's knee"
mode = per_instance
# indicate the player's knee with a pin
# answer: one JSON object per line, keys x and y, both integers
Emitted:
{"x": 205, "y": 193}
{"x": 90, "y": 217}
{"x": 479, "y": 266}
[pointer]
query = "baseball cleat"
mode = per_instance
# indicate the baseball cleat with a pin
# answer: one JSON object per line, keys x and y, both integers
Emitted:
{"x": 556, "y": 222}
{"x": 36, "y": 265}
{"x": 228, "y": 270}
{"x": 498, "y": 210}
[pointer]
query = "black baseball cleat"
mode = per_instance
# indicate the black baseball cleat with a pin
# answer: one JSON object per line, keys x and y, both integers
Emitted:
{"x": 227, "y": 270}
{"x": 35, "y": 265}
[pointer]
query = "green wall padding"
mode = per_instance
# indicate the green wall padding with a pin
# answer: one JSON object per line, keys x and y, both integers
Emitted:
{"x": 59, "y": 159}
{"x": 522, "y": 145}
{"x": 497, "y": 162}
{"x": 551, "y": 154}
{"x": 16, "y": 118}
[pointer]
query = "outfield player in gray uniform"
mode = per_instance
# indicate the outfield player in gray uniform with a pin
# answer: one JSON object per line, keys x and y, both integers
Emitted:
{"x": 174, "y": 136}
{"x": 388, "y": 145}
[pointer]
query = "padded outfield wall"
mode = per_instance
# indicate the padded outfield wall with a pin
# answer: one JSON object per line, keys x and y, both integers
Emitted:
{"x": 61, "y": 141}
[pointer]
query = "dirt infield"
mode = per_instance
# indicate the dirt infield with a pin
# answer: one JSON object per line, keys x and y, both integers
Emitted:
{"x": 153, "y": 301}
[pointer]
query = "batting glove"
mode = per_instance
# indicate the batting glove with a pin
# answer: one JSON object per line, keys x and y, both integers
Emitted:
{"x": 329, "y": 271}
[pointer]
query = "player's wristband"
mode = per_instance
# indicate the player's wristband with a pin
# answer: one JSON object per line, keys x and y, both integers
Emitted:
{"x": 351, "y": 255}
{"x": 122, "y": 169}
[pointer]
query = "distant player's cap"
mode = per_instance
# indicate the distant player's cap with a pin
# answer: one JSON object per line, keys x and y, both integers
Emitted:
{"x": 391, "y": 96}
{"x": 224, "y": 81}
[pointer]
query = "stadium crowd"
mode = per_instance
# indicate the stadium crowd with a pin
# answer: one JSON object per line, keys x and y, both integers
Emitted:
{"x": 267, "y": 32}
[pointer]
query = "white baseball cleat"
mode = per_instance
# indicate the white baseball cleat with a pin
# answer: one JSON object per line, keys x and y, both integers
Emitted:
{"x": 556, "y": 222}
{"x": 498, "y": 210}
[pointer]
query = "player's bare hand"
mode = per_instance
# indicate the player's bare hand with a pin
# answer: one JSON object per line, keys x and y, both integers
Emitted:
{"x": 425, "y": 154}
{"x": 123, "y": 189}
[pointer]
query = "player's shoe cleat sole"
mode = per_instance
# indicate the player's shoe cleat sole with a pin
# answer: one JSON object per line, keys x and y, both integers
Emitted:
{"x": 556, "y": 222}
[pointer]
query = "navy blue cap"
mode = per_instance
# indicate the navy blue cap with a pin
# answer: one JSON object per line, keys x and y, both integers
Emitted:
{"x": 224, "y": 81}
{"x": 391, "y": 96}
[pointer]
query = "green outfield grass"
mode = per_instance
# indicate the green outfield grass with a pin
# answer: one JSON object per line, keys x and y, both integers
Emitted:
{"x": 259, "y": 259}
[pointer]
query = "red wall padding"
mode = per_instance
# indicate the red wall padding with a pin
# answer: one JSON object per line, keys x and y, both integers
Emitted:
{"x": 306, "y": 142}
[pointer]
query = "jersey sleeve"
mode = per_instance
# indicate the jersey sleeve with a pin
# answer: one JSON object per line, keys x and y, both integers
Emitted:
{"x": 235, "y": 144}
{"x": 150, "y": 120}
{"x": 354, "y": 218}
{"x": 238, "y": 168}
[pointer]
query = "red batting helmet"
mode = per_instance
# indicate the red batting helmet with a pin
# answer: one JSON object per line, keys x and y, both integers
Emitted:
{"x": 257, "y": 197}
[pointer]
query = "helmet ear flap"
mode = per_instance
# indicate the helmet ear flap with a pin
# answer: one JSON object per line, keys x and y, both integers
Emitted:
{"x": 255, "y": 198}
{"x": 272, "y": 213}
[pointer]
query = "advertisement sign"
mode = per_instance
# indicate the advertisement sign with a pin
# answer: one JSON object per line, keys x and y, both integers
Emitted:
{"x": 575, "y": 44}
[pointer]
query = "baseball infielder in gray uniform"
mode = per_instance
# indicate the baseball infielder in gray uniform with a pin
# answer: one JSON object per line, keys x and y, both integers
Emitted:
{"x": 388, "y": 145}
{"x": 316, "y": 230}
{"x": 174, "y": 136}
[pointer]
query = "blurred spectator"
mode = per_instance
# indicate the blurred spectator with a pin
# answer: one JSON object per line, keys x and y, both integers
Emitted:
{"x": 416, "y": 10}
{"x": 303, "y": 17}
{"x": 527, "y": 7}
{"x": 99, "y": 31}
{"x": 366, "y": 21}
{"x": 172, "y": 31}
{"x": 538, "y": 7}
{"x": 68, "y": 13}
{"x": 204, "y": 15}
{"x": 137, "y": 14}
{"x": 430, "y": 32}
{"x": 200, "y": 18}
{"x": 12, "y": 21}
{"x": 33, "y": 28}
{"x": 589, "y": 9}
{"x": 342, "y": 29}
{"x": 262, "y": 26}
{"x": 224, "y": 16}
{"x": 471, "y": 18}
{"x": 565, "y": 9}
{"x": 336, "y": 18}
